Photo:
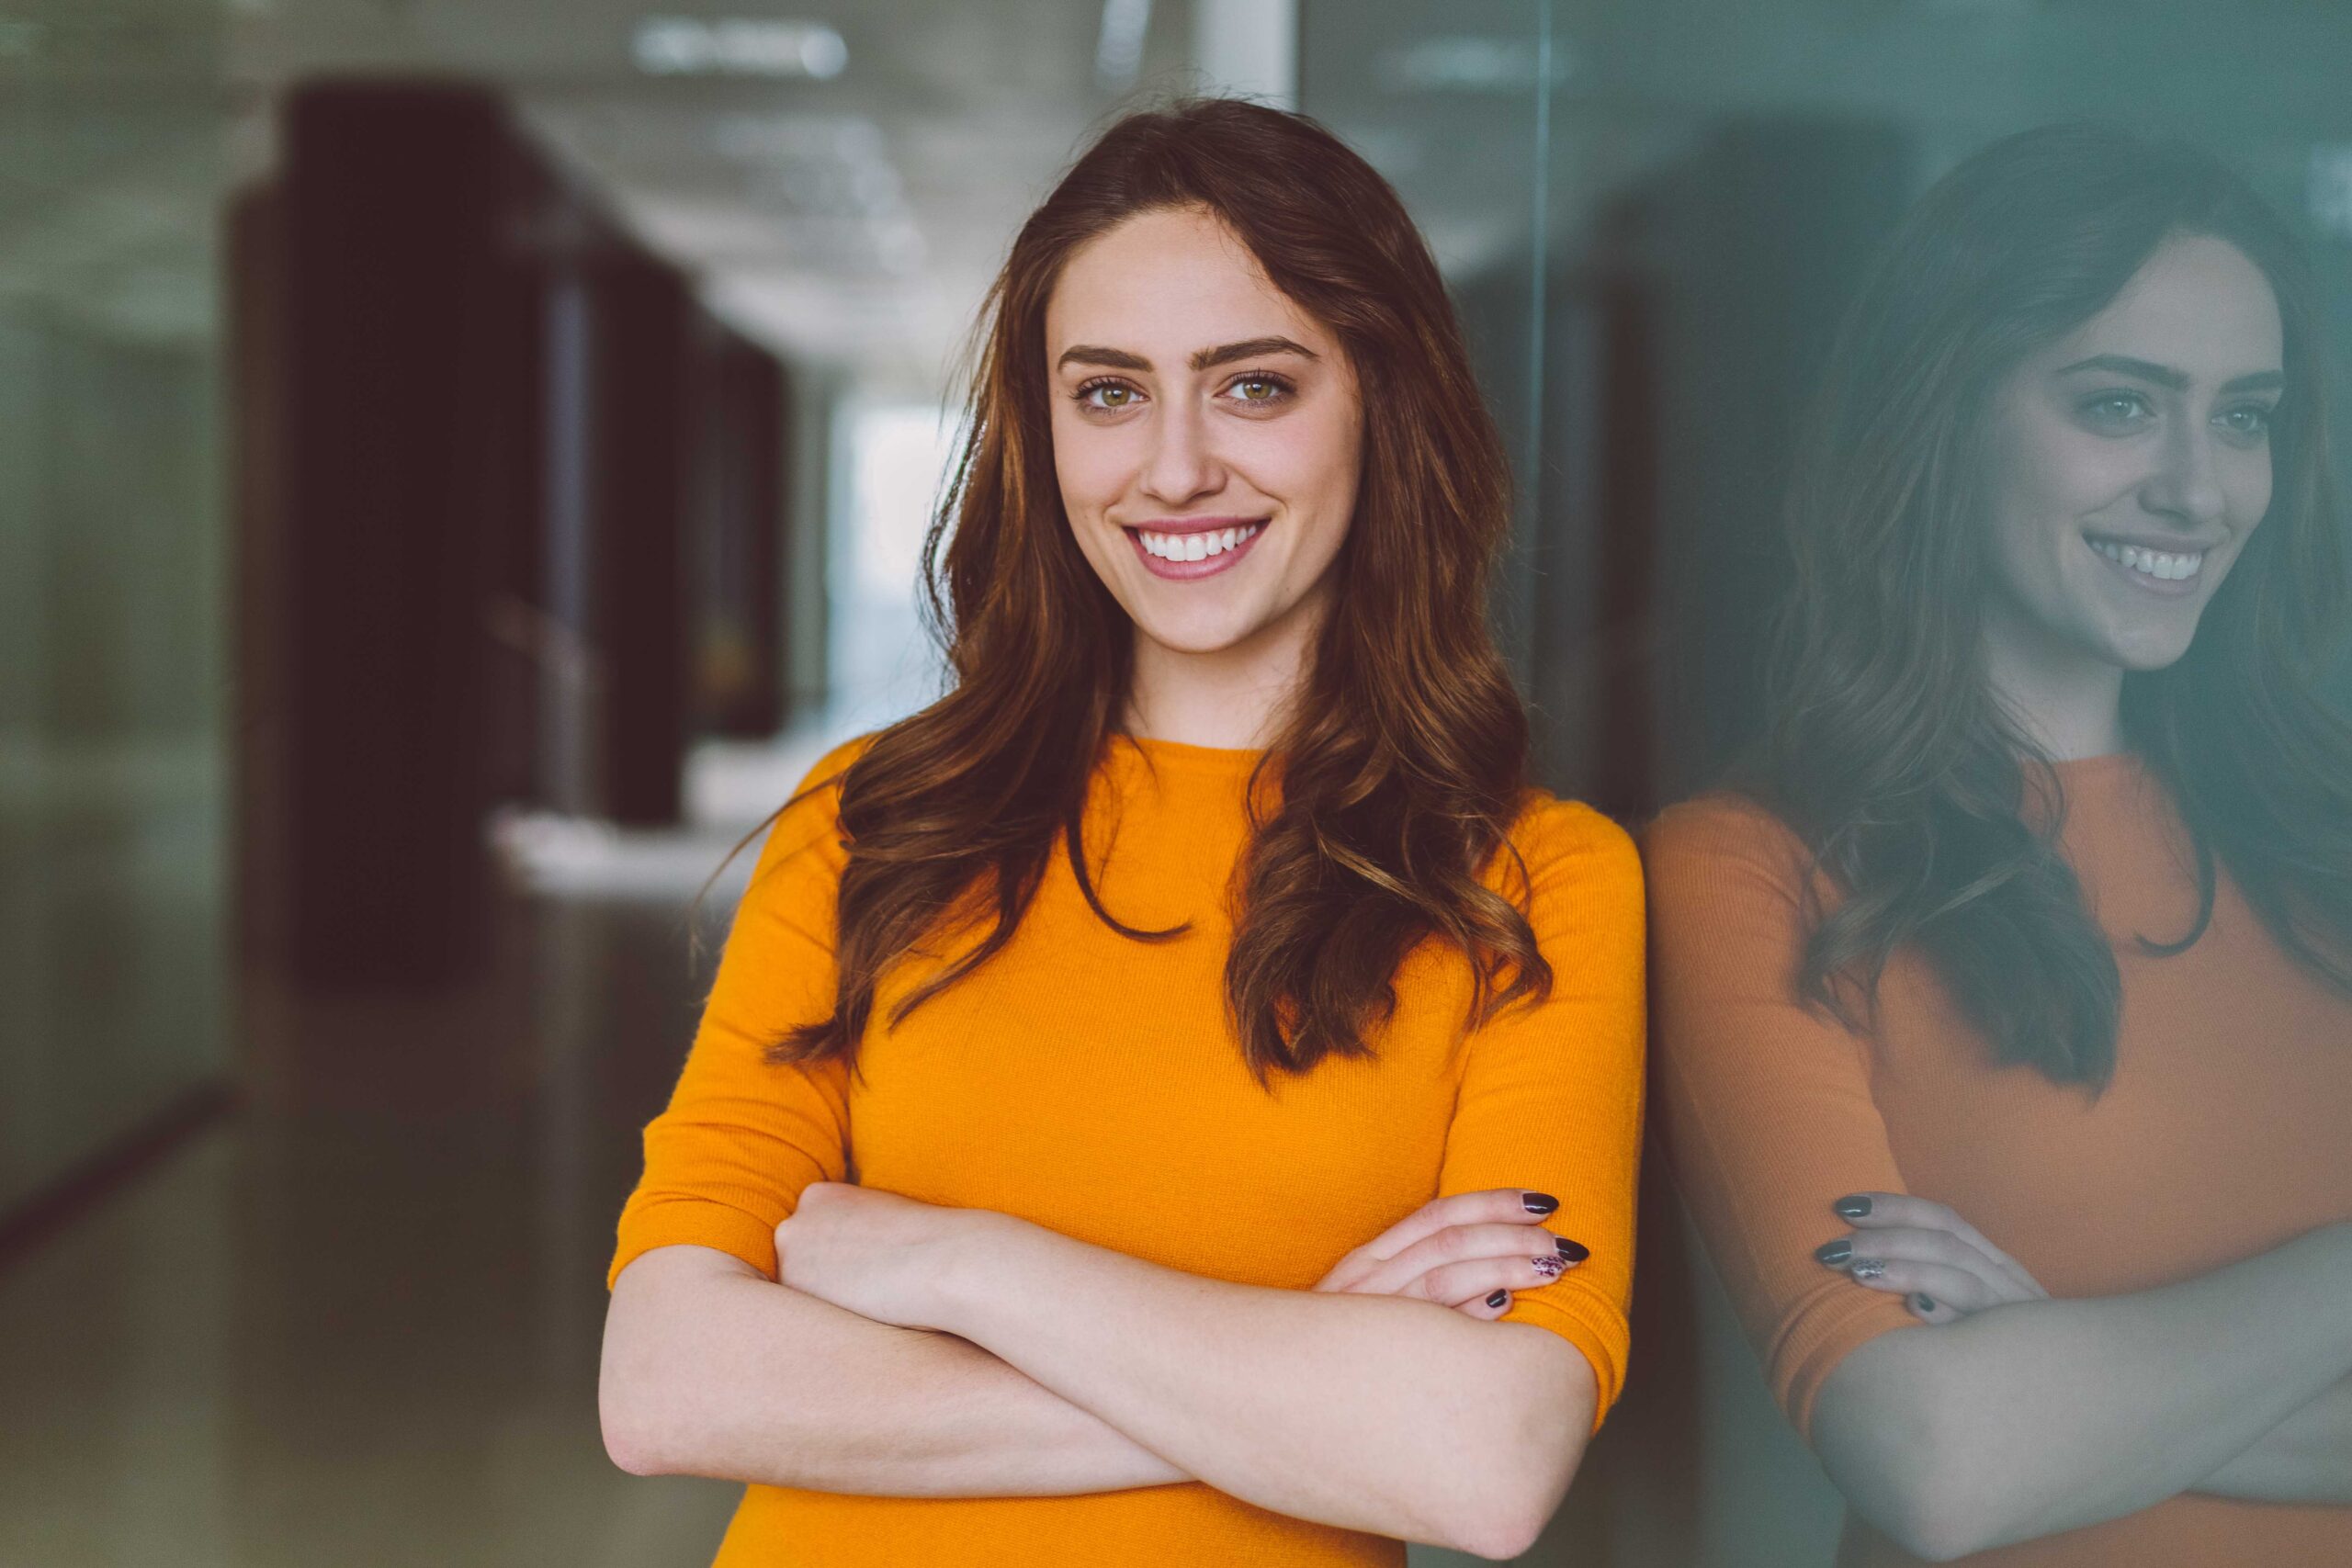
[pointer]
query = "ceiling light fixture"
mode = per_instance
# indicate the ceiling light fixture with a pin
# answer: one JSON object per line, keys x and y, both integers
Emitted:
{"x": 737, "y": 46}
{"x": 1118, "y": 50}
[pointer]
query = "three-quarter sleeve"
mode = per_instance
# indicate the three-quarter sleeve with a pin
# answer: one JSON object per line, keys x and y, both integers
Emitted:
{"x": 1765, "y": 1106}
{"x": 727, "y": 1161}
{"x": 1551, "y": 1095}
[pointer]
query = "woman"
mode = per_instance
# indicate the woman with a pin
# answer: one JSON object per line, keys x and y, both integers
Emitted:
{"x": 2008, "y": 1007}
{"x": 1202, "y": 945}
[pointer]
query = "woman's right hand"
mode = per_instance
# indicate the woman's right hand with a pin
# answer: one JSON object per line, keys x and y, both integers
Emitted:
{"x": 1468, "y": 1252}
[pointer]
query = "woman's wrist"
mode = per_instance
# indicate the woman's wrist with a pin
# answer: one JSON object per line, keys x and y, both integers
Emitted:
{"x": 979, "y": 1260}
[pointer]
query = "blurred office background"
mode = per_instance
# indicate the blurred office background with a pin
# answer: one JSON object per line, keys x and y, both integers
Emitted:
{"x": 461, "y": 459}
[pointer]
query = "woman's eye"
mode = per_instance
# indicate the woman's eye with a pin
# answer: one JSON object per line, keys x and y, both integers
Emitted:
{"x": 2249, "y": 423}
{"x": 1109, "y": 396}
{"x": 2117, "y": 411}
{"x": 1261, "y": 391}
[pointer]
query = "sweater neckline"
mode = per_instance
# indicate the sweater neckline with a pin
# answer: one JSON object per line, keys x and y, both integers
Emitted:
{"x": 1236, "y": 760}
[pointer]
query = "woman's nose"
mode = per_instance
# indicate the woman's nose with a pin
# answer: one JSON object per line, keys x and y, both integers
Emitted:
{"x": 2186, "y": 485}
{"x": 1182, "y": 468}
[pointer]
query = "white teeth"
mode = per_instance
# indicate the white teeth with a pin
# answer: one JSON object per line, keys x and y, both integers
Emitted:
{"x": 1196, "y": 547}
{"x": 2165, "y": 566}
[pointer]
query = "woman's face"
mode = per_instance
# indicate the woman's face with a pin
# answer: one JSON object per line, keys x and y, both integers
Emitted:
{"x": 1205, "y": 433}
{"x": 2132, "y": 462}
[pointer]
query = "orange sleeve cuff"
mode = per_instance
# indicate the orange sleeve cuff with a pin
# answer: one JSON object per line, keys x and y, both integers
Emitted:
{"x": 1587, "y": 1320}
{"x": 693, "y": 1221}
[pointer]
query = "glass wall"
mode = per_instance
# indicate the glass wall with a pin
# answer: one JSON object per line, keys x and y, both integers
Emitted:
{"x": 113, "y": 690}
{"x": 1653, "y": 215}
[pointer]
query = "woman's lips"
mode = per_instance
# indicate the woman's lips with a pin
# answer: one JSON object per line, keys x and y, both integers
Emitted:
{"x": 1246, "y": 534}
{"x": 2135, "y": 565}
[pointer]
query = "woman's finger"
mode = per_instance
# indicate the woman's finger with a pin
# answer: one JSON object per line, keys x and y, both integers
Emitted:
{"x": 1500, "y": 1205}
{"x": 1934, "y": 1246}
{"x": 1487, "y": 1308}
{"x": 1927, "y": 1309}
{"x": 1956, "y": 1289}
{"x": 1460, "y": 1284}
{"x": 1464, "y": 1244}
{"x": 1872, "y": 1211}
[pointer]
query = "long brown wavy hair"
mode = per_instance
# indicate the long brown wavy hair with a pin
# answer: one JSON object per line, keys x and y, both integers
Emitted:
{"x": 1890, "y": 755}
{"x": 1400, "y": 765}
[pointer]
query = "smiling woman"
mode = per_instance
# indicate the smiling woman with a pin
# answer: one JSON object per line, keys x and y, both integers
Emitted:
{"x": 2010, "y": 1004}
{"x": 1128, "y": 1115}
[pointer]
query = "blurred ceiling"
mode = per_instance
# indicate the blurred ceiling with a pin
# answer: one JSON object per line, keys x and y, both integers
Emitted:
{"x": 854, "y": 220}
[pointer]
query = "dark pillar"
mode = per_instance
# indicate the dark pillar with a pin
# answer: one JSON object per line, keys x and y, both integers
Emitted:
{"x": 644, "y": 315}
{"x": 392, "y": 192}
{"x": 739, "y": 663}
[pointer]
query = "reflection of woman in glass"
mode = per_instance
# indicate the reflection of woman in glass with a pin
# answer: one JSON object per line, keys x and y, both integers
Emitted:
{"x": 2009, "y": 1007}
{"x": 1196, "y": 992}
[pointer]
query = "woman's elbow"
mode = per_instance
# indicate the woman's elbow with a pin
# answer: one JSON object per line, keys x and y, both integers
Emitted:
{"x": 632, "y": 1439}
{"x": 1917, "y": 1485}
{"x": 1503, "y": 1519}
{"x": 1518, "y": 1469}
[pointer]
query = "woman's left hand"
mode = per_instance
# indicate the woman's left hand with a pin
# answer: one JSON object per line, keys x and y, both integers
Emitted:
{"x": 1938, "y": 1262}
{"x": 874, "y": 1253}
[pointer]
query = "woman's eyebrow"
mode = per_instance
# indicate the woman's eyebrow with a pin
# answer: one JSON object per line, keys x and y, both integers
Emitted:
{"x": 2165, "y": 376}
{"x": 1206, "y": 359}
{"x": 2139, "y": 369}
{"x": 1249, "y": 348}
{"x": 1112, "y": 358}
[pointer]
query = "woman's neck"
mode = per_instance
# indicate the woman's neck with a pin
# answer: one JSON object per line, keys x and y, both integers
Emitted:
{"x": 2069, "y": 704}
{"x": 1234, "y": 697}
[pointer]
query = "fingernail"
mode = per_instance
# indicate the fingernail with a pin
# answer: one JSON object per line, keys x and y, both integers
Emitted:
{"x": 1854, "y": 1208}
{"x": 1834, "y": 1252}
{"x": 1924, "y": 1304}
{"x": 1538, "y": 1203}
{"x": 1548, "y": 1264}
{"x": 1497, "y": 1298}
{"x": 1867, "y": 1268}
{"x": 1574, "y": 1251}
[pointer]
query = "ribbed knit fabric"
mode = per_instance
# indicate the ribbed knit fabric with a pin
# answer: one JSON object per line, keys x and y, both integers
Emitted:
{"x": 2222, "y": 1135}
{"x": 1089, "y": 1083}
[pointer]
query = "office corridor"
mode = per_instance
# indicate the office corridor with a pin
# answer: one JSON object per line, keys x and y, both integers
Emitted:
{"x": 355, "y": 1320}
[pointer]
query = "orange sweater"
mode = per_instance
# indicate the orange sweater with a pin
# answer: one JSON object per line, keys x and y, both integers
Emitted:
{"x": 2222, "y": 1135}
{"x": 1089, "y": 1083}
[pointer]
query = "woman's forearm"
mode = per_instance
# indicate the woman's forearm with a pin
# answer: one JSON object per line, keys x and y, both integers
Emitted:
{"x": 2042, "y": 1415}
{"x": 2307, "y": 1458}
{"x": 711, "y": 1369}
{"x": 1370, "y": 1413}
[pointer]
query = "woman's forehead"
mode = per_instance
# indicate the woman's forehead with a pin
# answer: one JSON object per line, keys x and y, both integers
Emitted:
{"x": 1169, "y": 285}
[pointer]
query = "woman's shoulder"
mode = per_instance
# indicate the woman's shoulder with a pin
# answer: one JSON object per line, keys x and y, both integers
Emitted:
{"x": 809, "y": 822}
{"x": 1559, "y": 839}
{"x": 1723, "y": 826}
{"x": 1727, "y": 845}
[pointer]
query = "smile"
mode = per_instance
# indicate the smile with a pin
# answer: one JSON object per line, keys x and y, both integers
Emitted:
{"x": 1186, "y": 555}
{"x": 2168, "y": 572}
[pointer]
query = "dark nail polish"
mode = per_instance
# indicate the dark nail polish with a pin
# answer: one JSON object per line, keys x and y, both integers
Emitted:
{"x": 1547, "y": 1265}
{"x": 1538, "y": 1203}
{"x": 1854, "y": 1208}
{"x": 1834, "y": 1252}
{"x": 1574, "y": 1251}
{"x": 1924, "y": 1304}
{"x": 1497, "y": 1298}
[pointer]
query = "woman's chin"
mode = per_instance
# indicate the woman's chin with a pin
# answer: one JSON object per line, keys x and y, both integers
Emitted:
{"x": 1200, "y": 634}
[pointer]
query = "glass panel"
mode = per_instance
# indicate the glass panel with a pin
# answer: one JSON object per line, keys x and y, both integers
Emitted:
{"x": 112, "y": 669}
{"x": 1441, "y": 96}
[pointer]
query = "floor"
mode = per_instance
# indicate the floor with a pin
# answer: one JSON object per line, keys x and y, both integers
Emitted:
{"x": 356, "y": 1323}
